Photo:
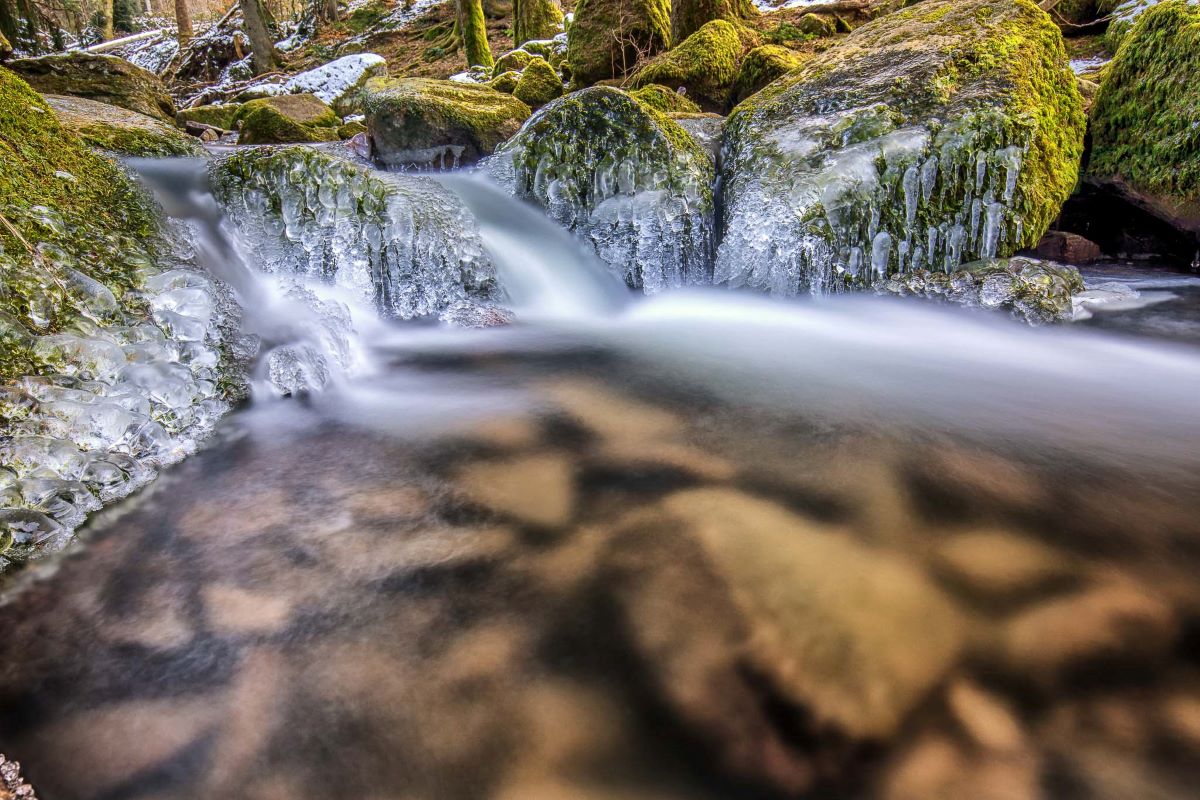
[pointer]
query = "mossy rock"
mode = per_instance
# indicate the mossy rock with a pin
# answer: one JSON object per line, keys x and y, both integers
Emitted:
{"x": 121, "y": 131}
{"x": 622, "y": 176}
{"x": 106, "y": 79}
{"x": 90, "y": 223}
{"x": 539, "y": 84}
{"x": 218, "y": 116}
{"x": 5, "y": 47}
{"x": 608, "y": 37}
{"x": 553, "y": 50}
{"x": 817, "y": 25}
{"x": 943, "y": 133}
{"x": 705, "y": 65}
{"x": 1124, "y": 14}
{"x": 1146, "y": 118}
{"x": 663, "y": 99}
{"x": 513, "y": 60}
{"x": 426, "y": 122}
{"x": 351, "y": 129}
{"x": 286, "y": 119}
{"x": 506, "y": 81}
{"x": 762, "y": 66}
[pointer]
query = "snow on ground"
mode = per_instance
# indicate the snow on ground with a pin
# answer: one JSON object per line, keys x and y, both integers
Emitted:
{"x": 1081, "y": 65}
{"x": 776, "y": 5}
{"x": 333, "y": 80}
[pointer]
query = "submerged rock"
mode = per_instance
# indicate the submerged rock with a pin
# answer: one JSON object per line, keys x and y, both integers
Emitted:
{"x": 121, "y": 131}
{"x": 608, "y": 37}
{"x": 943, "y": 133}
{"x": 624, "y": 177}
{"x": 106, "y": 79}
{"x": 403, "y": 243}
{"x": 705, "y": 65}
{"x": 287, "y": 119}
{"x": 1146, "y": 119}
{"x": 431, "y": 123}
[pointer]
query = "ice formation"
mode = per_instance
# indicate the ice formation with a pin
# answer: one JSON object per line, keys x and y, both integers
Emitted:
{"x": 602, "y": 167}
{"x": 335, "y": 81}
{"x": 403, "y": 243}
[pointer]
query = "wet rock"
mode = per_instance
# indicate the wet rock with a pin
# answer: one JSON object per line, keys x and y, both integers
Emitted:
{"x": 538, "y": 85}
{"x": 1145, "y": 117}
{"x": 871, "y": 159}
{"x": 121, "y": 131}
{"x": 223, "y": 116}
{"x": 536, "y": 489}
{"x": 608, "y": 37}
{"x": 340, "y": 82}
{"x": 237, "y": 611}
{"x": 1068, "y": 248}
{"x": 626, "y": 179}
{"x": 287, "y": 119}
{"x": 937, "y": 768}
{"x": 996, "y": 567}
{"x": 762, "y": 66}
{"x": 986, "y": 718}
{"x": 430, "y": 123}
{"x": 706, "y": 130}
{"x": 705, "y": 65}
{"x": 105, "y": 79}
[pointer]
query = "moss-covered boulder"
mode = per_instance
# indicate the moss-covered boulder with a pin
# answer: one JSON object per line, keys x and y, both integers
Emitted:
{"x": 506, "y": 81}
{"x": 817, "y": 25}
{"x": 553, "y": 50}
{"x": 425, "y": 122}
{"x": 339, "y": 82}
{"x": 608, "y": 37}
{"x": 763, "y": 66}
{"x": 223, "y": 116}
{"x": 705, "y": 65}
{"x": 121, "y": 131}
{"x": 1146, "y": 118}
{"x": 286, "y": 119}
{"x": 665, "y": 100}
{"x": 943, "y": 133}
{"x": 1124, "y": 14}
{"x": 624, "y": 177}
{"x": 513, "y": 60}
{"x": 106, "y": 79}
{"x": 539, "y": 84}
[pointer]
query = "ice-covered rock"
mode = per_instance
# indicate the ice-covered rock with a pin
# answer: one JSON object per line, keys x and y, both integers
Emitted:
{"x": 625, "y": 178}
{"x": 403, "y": 243}
{"x": 339, "y": 82}
{"x": 937, "y": 135}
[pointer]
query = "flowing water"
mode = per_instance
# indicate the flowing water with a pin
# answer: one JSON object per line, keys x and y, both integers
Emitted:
{"x": 695, "y": 545}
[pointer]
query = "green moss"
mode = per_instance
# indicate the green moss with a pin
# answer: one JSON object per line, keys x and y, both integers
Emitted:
{"x": 222, "y": 116}
{"x": 473, "y": 29}
{"x": 608, "y": 37}
{"x": 816, "y": 25}
{"x": 350, "y": 130}
{"x": 535, "y": 19}
{"x": 705, "y": 64}
{"x": 120, "y": 131}
{"x": 82, "y": 214}
{"x": 105, "y": 79}
{"x": 513, "y": 60}
{"x": 506, "y": 81}
{"x": 286, "y": 119}
{"x": 539, "y": 84}
{"x": 762, "y": 66}
{"x": 663, "y": 99}
{"x": 1146, "y": 119}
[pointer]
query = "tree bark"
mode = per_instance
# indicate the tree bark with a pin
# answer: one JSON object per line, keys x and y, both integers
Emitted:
{"x": 535, "y": 19}
{"x": 262, "y": 48}
{"x": 688, "y": 16}
{"x": 106, "y": 25}
{"x": 9, "y": 27}
{"x": 183, "y": 20}
{"x": 472, "y": 28}
{"x": 325, "y": 11}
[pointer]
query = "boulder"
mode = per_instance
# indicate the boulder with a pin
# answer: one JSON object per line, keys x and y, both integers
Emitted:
{"x": 940, "y": 134}
{"x": 512, "y": 60}
{"x": 339, "y": 83}
{"x": 426, "y": 122}
{"x": 663, "y": 99}
{"x": 1068, "y": 248}
{"x": 624, "y": 177}
{"x": 287, "y": 118}
{"x": 816, "y": 25}
{"x": 763, "y": 66}
{"x": 539, "y": 84}
{"x": 608, "y": 37}
{"x": 1124, "y": 14}
{"x": 215, "y": 116}
{"x": 704, "y": 65}
{"x": 106, "y": 79}
{"x": 1146, "y": 118}
{"x": 121, "y": 131}
{"x": 553, "y": 50}
{"x": 506, "y": 81}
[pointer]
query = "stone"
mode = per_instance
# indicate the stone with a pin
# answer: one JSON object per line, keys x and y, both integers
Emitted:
{"x": 223, "y": 116}
{"x": 351, "y": 129}
{"x": 997, "y": 567}
{"x": 608, "y": 37}
{"x": 940, "y": 134}
{"x": 987, "y": 719}
{"x": 763, "y": 66}
{"x": 1068, "y": 248}
{"x": 534, "y": 489}
{"x": 660, "y": 98}
{"x": 539, "y": 84}
{"x": 516, "y": 60}
{"x": 286, "y": 119}
{"x": 105, "y": 79}
{"x": 121, "y": 131}
{"x": 816, "y": 25}
{"x": 704, "y": 65}
{"x": 506, "y": 81}
{"x": 424, "y": 122}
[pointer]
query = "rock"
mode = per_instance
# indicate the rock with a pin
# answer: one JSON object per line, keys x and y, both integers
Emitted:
{"x": 106, "y": 79}
{"x": 1146, "y": 115}
{"x": 934, "y": 767}
{"x": 506, "y": 81}
{"x": 287, "y": 118}
{"x": 817, "y": 25}
{"x": 1124, "y": 14}
{"x": 705, "y": 65}
{"x": 623, "y": 177}
{"x": 663, "y": 99}
{"x": 987, "y": 719}
{"x": 608, "y": 37}
{"x": 216, "y": 116}
{"x": 1034, "y": 291}
{"x": 1068, "y": 248}
{"x": 853, "y": 634}
{"x": 339, "y": 83}
{"x": 706, "y": 130}
{"x": 763, "y": 66}
{"x": 995, "y": 567}
{"x": 553, "y": 50}
{"x": 512, "y": 60}
{"x": 536, "y": 489}
{"x": 948, "y": 131}
{"x": 121, "y": 131}
{"x": 402, "y": 243}
{"x": 351, "y": 129}
{"x": 425, "y": 122}
{"x": 539, "y": 84}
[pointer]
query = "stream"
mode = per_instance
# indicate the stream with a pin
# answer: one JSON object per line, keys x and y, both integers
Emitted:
{"x": 701, "y": 544}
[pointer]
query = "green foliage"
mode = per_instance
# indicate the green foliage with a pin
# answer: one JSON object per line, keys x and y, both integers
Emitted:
{"x": 706, "y": 64}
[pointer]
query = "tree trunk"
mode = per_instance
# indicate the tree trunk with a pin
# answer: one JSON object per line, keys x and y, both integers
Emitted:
{"x": 473, "y": 30}
{"x": 9, "y": 27}
{"x": 183, "y": 19}
{"x": 106, "y": 25}
{"x": 688, "y": 16}
{"x": 535, "y": 19}
{"x": 325, "y": 10}
{"x": 262, "y": 48}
